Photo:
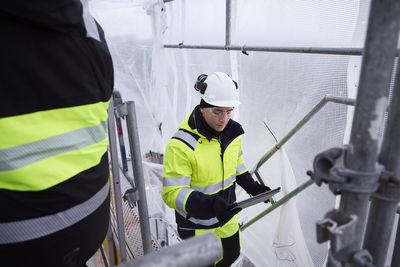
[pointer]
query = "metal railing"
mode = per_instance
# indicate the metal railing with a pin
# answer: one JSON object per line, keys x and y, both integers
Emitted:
{"x": 137, "y": 193}
{"x": 278, "y": 203}
{"x": 299, "y": 125}
{"x": 197, "y": 251}
{"x": 116, "y": 184}
{"x": 274, "y": 149}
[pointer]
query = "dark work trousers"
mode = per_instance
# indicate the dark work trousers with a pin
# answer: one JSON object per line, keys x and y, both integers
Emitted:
{"x": 230, "y": 247}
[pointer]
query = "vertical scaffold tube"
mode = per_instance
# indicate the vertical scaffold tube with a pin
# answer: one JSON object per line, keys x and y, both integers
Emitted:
{"x": 138, "y": 175}
{"x": 228, "y": 23}
{"x": 116, "y": 182}
{"x": 384, "y": 202}
{"x": 396, "y": 250}
{"x": 378, "y": 58}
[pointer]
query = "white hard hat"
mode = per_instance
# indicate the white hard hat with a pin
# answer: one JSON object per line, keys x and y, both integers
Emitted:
{"x": 220, "y": 90}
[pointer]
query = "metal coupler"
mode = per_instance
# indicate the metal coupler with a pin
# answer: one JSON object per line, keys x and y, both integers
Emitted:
{"x": 329, "y": 168}
{"x": 131, "y": 196}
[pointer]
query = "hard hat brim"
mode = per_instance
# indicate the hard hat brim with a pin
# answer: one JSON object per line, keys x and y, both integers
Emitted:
{"x": 223, "y": 104}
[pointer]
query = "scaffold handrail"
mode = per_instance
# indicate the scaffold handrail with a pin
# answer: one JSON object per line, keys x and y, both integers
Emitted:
{"x": 196, "y": 251}
{"x": 275, "y": 148}
{"x": 299, "y": 125}
{"x": 278, "y": 203}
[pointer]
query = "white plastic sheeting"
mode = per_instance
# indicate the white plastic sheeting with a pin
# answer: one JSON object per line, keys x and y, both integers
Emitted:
{"x": 288, "y": 242}
{"x": 278, "y": 89}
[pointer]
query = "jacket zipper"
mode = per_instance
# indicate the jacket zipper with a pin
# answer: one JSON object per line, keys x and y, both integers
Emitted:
{"x": 222, "y": 162}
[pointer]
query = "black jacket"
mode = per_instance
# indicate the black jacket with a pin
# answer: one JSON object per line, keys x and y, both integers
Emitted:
{"x": 47, "y": 62}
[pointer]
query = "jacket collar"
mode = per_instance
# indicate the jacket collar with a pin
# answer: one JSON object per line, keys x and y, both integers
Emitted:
{"x": 232, "y": 130}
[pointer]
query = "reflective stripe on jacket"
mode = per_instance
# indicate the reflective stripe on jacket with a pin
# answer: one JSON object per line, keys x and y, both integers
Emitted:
{"x": 61, "y": 143}
{"x": 197, "y": 168}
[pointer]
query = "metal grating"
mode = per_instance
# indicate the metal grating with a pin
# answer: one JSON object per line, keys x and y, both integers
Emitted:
{"x": 132, "y": 231}
{"x": 133, "y": 236}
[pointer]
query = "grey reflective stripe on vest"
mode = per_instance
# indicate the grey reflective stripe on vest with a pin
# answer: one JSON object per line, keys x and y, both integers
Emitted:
{"x": 25, "y": 230}
{"x": 213, "y": 188}
{"x": 176, "y": 181}
{"x": 207, "y": 222}
{"x": 240, "y": 154}
{"x": 188, "y": 138}
{"x": 180, "y": 199}
{"x": 241, "y": 168}
{"x": 19, "y": 156}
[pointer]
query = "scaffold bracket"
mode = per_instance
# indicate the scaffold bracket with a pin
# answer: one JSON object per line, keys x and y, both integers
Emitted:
{"x": 337, "y": 227}
{"x": 121, "y": 110}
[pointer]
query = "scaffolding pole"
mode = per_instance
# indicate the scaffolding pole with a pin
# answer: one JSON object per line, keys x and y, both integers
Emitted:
{"x": 302, "y": 50}
{"x": 137, "y": 168}
{"x": 197, "y": 251}
{"x": 228, "y": 7}
{"x": 396, "y": 250}
{"x": 278, "y": 203}
{"x": 385, "y": 200}
{"x": 361, "y": 156}
{"x": 116, "y": 183}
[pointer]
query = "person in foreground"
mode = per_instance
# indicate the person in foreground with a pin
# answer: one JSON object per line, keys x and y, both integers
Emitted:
{"x": 203, "y": 162}
{"x": 56, "y": 83}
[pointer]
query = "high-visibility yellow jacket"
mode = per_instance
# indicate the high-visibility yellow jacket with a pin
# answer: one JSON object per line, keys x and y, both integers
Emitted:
{"x": 198, "y": 167}
{"x": 56, "y": 86}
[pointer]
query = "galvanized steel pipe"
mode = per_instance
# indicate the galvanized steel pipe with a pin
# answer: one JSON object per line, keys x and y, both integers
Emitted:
{"x": 116, "y": 182}
{"x": 137, "y": 167}
{"x": 301, "y": 50}
{"x": 384, "y": 202}
{"x": 378, "y": 58}
{"x": 278, "y": 203}
{"x": 197, "y": 251}
{"x": 228, "y": 23}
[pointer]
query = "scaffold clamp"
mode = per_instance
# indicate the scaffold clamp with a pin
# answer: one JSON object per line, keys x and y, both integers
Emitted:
{"x": 131, "y": 196}
{"x": 329, "y": 168}
{"x": 121, "y": 110}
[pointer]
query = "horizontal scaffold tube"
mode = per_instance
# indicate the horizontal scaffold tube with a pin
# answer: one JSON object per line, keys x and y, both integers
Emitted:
{"x": 300, "y": 50}
{"x": 278, "y": 203}
{"x": 197, "y": 251}
{"x": 303, "y": 50}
